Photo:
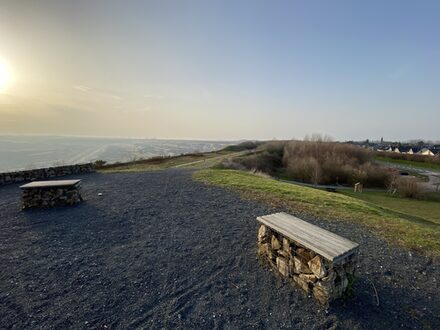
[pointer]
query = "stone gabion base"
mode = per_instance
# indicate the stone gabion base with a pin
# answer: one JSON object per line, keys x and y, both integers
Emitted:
{"x": 50, "y": 197}
{"x": 311, "y": 272}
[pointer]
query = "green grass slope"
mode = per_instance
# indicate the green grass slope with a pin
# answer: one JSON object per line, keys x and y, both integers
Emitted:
{"x": 195, "y": 161}
{"x": 428, "y": 210}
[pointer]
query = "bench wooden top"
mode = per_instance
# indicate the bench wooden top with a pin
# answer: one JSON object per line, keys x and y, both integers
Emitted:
{"x": 325, "y": 243}
{"x": 50, "y": 184}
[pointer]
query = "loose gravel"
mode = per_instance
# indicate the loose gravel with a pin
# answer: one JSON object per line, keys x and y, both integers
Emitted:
{"x": 158, "y": 250}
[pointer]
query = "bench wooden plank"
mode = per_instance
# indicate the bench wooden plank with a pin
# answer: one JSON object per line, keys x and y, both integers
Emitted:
{"x": 50, "y": 184}
{"x": 327, "y": 244}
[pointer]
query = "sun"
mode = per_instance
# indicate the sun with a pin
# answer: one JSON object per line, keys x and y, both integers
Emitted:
{"x": 5, "y": 75}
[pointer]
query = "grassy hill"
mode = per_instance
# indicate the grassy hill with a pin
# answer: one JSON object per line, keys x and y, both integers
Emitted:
{"x": 195, "y": 161}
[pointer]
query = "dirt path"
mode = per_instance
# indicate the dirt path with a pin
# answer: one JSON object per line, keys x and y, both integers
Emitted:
{"x": 159, "y": 250}
{"x": 209, "y": 162}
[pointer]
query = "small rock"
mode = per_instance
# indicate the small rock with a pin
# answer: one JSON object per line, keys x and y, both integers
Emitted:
{"x": 276, "y": 245}
{"x": 317, "y": 267}
{"x": 282, "y": 266}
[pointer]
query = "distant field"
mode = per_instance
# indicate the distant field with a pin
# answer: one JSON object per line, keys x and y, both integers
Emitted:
{"x": 408, "y": 163}
{"x": 403, "y": 229}
{"x": 196, "y": 161}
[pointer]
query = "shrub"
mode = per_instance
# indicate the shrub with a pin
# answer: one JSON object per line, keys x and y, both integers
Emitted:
{"x": 318, "y": 162}
{"x": 247, "y": 145}
{"x": 275, "y": 147}
{"x": 375, "y": 176}
{"x": 305, "y": 169}
{"x": 331, "y": 162}
{"x": 230, "y": 164}
{"x": 409, "y": 187}
{"x": 100, "y": 163}
{"x": 262, "y": 161}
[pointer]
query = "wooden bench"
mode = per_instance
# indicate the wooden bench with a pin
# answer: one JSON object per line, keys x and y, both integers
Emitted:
{"x": 317, "y": 260}
{"x": 43, "y": 194}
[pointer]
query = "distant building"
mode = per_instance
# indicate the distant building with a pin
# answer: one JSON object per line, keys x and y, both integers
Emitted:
{"x": 426, "y": 152}
{"x": 405, "y": 150}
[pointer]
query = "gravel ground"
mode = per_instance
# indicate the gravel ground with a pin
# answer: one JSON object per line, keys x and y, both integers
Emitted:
{"x": 158, "y": 250}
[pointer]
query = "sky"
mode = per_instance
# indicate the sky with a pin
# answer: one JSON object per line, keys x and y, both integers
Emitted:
{"x": 221, "y": 69}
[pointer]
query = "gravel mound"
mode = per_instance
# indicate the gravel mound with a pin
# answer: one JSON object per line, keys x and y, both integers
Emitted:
{"x": 158, "y": 250}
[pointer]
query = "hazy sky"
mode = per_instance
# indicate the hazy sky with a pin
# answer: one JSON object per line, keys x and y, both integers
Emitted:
{"x": 221, "y": 69}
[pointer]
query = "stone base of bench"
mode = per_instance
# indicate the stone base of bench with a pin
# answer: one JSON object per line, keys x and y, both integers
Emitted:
{"x": 323, "y": 279}
{"x": 50, "y": 197}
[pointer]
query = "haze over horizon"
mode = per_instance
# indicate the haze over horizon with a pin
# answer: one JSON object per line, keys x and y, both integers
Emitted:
{"x": 224, "y": 70}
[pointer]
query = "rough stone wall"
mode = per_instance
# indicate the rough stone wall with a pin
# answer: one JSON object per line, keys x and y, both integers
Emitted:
{"x": 50, "y": 197}
{"x": 45, "y": 173}
{"x": 311, "y": 272}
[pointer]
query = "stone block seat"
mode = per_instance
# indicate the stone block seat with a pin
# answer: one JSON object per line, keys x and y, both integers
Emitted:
{"x": 317, "y": 260}
{"x": 45, "y": 194}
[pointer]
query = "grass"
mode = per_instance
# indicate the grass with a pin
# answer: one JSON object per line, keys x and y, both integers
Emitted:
{"x": 425, "y": 210}
{"x": 409, "y": 163}
{"x": 394, "y": 227}
{"x": 196, "y": 161}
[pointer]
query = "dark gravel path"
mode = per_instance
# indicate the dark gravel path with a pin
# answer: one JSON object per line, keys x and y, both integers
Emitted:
{"x": 158, "y": 250}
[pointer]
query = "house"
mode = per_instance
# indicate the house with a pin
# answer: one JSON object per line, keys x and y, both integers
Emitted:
{"x": 389, "y": 149}
{"x": 426, "y": 152}
{"x": 405, "y": 150}
{"x": 409, "y": 150}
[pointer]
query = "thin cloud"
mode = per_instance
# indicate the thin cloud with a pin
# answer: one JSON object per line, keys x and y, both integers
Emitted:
{"x": 151, "y": 96}
{"x": 97, "y": 91}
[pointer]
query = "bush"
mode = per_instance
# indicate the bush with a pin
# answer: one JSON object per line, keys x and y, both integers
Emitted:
{"x": 230, "y": 164}
{"x": 332, "y": 163}
{"x": 275, "y": 147}
{"x": 409, "y": 187}
{"x": 100, "y": 163}
{"x": 247, "y": 145}
{"x": 318, "y": 162}
{"x": 262, "y": 161}
{"x": 306, "y": 170}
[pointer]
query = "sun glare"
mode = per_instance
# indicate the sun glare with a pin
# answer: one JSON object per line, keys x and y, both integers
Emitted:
{"x": 5, "y": 75}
